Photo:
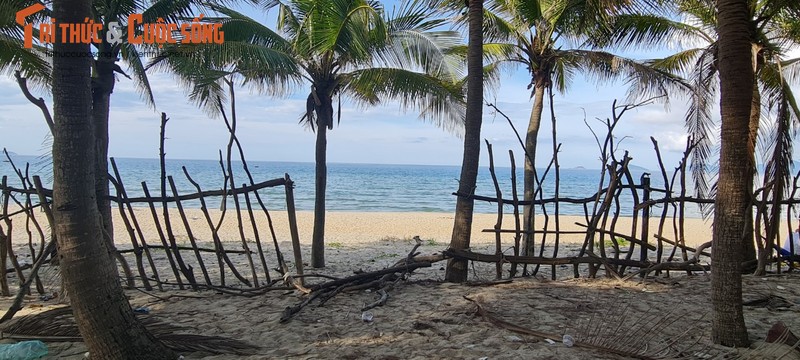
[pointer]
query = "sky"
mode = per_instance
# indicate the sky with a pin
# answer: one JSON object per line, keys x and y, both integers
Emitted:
{"x": 269, "y": 131}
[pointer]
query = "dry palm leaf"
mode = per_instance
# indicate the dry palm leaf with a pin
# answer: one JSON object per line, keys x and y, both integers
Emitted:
{"x": 59, "y": 325}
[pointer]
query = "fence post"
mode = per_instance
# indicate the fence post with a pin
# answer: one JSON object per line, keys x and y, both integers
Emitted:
{"x": 645, "y": 180}
{"x": 298, "y": 256}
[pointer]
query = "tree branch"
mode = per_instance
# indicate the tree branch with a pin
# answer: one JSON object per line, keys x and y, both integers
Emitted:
{"x": 39, "y": 102}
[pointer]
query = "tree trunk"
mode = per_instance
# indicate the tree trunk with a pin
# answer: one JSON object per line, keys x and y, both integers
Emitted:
{"x": 530, "y": 176}
{"x": 102, "y": 87}
{"x": 324, "y": 120}
{"x": 735, "y": 172}
{"x": 462, "y": 225}
{"x": 748, "y": 244}
{"x": 102, "y": 312}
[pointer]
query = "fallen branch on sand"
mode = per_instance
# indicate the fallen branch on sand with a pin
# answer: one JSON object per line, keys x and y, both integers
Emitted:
{"x": 381, "y": 280}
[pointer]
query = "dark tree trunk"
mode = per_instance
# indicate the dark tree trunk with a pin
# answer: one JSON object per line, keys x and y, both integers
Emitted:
{"x": 102, "y": 312}
{"x": 324, "y": 121}
{"x": 529, "y": 174}
{"x": 735, "y": 172}
{"x": 102, "y": 87}
{"x": 462, "y": 226}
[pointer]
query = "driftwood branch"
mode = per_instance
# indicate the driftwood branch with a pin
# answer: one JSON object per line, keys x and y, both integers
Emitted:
{"x": 380, "y": 278}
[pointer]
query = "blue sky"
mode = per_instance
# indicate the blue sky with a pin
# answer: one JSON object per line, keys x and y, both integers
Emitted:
{"x": 269, "y": 130}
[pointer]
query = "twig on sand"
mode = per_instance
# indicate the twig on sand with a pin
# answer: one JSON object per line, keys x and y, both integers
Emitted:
{"x": 382, "y": 301}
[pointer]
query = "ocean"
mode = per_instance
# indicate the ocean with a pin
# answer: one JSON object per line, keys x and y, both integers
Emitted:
{"x": 352, "y": 187}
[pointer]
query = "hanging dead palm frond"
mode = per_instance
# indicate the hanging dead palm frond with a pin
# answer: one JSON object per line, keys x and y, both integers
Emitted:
{"x": 59, "y": 325}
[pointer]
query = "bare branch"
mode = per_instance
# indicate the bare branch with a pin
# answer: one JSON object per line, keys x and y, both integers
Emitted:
{"x": 39, "y": 102}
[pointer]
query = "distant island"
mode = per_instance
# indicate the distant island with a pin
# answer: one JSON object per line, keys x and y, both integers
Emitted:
{"x": 637, "y": 168}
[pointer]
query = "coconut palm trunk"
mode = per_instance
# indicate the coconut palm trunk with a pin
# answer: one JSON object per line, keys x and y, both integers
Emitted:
{"x": 462, "y": 226}
{"x": 735, "y": 171}
{"x": 102, "y": 87}
{"x": 324, "y": 120}
{"x": 748, "y": 243}
{"x": 102, "y": 312}
{"x": 530, "y": 172}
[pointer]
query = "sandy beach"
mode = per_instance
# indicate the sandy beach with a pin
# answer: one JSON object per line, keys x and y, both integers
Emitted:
{"x": 363, "y": 227}
{"x": 423, "y": 317}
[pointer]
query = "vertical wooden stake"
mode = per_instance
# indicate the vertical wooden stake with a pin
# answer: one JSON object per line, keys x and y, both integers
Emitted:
{"x": 498, "y": 249}
{"x": 298, "y": 256}
{"x": 645, "y": 180}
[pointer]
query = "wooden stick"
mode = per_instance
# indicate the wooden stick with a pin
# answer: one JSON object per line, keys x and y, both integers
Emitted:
{"x": 8, "y": 244}
{"x": 189, "y": 232}
{"x": 201, "y": 249}
{"x": 25, "y": 286}
{"x": 256, "y": 237}
{"x": 626, "y": 237}
{"x": 298, "y": 255}
{"x": 218, "y": 250}
{"x": 124, "y": 197}
{"x": 688, "y": 248}
{"x": 499, "y": 223}
{"x": 468, "y": 255}
{"x": 186, "y": 271}
{"x": 131, "y": 232}
{"x": 515, "y": 199}
{"x": 166, "y": 246}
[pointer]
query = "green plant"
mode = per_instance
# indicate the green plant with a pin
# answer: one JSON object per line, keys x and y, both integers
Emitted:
{"x": 336, "y": 245}
{"x": 384, "y": 255}
{"x": 620, "y": 242}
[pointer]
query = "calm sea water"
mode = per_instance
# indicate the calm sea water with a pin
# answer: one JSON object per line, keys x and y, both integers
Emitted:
{"x": 351, "y": 187}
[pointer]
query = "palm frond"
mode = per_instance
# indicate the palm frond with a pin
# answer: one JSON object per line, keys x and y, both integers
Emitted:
{"x": 169, "y": 10}
{"x": 644, "y": 81}
{"x": 439, "y": 102}
{"x": 347, "y": 28}
{"x": 702, "y": 12}
{"x": 415, "y": 42}
{"x": 135, "y": 65}
{"x": 682, "y": 62}
{"x": 32, "y": 63}
{"x": 643, "y": 31}
{"x": 699, "y": 121}
{"x": 60, "y": 323}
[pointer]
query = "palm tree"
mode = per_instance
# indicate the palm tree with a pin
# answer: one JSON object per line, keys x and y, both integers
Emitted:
{"x": 775, "y": 31}
{"x": 338, "y": 48}
{"x": 102, "y": 312}
{"x": 534, "y": 34}
{"x": 732, "y": 202}
{"x": 462, "y": 225}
